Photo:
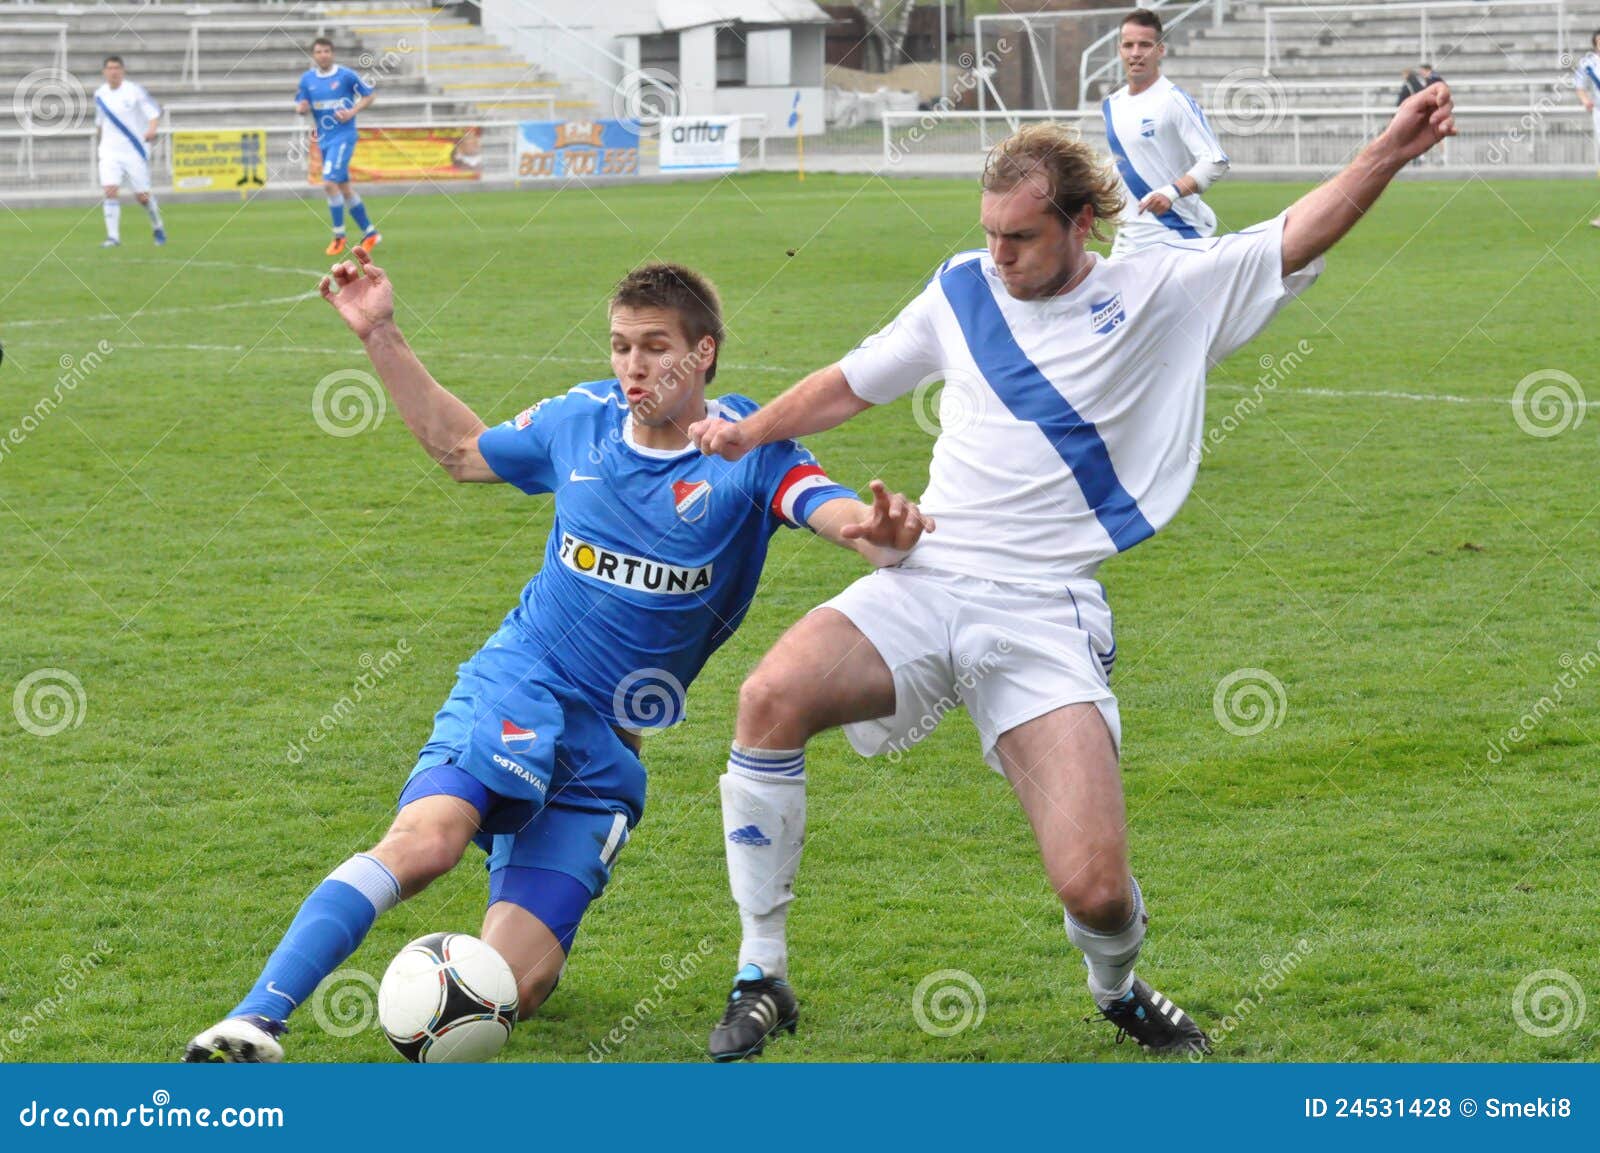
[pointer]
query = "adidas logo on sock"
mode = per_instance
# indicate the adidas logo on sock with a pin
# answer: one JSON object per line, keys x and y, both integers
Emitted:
{"x": 749, "y": 835}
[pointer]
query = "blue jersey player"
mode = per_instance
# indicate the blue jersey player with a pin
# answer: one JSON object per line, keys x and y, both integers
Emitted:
{"x": 333, "y": 94}
{"x": 652, "y": 560}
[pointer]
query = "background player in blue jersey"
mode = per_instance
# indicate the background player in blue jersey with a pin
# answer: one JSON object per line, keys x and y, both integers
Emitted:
{"x": 652, "y": 560}
{"x": 334, "y": 94}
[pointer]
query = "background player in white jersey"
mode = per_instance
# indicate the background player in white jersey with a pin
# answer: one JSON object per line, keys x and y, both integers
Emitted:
{"x": 1165, "y": 151}
{"x": 1084, "y": 383}
{"x": 127, "y": 119}
{"x": 1587, "y": 77}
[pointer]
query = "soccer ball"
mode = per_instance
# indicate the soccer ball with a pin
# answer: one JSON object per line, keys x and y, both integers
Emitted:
{"x": 447, "y": 997}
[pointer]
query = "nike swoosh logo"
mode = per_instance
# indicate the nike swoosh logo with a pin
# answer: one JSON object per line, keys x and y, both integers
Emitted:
{"x": 271, "y": 988}
{"x": 576, "y": 477}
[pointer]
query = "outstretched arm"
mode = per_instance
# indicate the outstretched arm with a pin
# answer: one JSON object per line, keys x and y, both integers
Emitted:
{"x": 1317, "y": 221}
{"x": 819, "y": 402}
{"x": 363, "y": 296}
{"x": 882, "y": 532}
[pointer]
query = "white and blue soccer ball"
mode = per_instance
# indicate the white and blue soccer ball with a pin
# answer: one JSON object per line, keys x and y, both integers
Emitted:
{"x": 447, "y": 997}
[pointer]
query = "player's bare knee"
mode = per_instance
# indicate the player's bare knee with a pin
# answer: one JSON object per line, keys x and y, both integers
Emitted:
{"x": 534, "y": 989}
{"x": 772, "y": 709}
{"x": 1101, "y": 903}
{"x": 417, "y": 854}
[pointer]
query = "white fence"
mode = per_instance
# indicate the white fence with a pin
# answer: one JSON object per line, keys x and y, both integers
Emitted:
{"x": 1553, "y": 136}
{"x": 62, "y": 163}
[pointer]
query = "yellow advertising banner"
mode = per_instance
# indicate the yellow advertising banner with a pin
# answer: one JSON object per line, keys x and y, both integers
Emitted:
{"x": 219, "y": 161}
{"x": 410, "y": 154}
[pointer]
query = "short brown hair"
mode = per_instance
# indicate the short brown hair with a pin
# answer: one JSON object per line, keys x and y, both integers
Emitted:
{"x": 682, "y": 290}
{"x": 1145, "y": 19}
{"x": 1074, "y": 175}
{"x": 319, "y": 41}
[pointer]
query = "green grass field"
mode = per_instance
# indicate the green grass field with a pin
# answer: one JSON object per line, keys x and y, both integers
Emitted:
{"x": 1364, "y": 879}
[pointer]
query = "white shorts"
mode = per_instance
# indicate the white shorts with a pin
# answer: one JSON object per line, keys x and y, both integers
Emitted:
{"x": 1140, "y": 230}
{"x": 126, "y": 171}
{"x": 1007, "y": 653}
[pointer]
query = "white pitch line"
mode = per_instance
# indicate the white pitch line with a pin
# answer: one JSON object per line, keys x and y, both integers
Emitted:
{"x": 780, "y": 369}
{"x": 181, "y": 264}
{"x": 786, "y": 370}
{"x": 8, "y": 325}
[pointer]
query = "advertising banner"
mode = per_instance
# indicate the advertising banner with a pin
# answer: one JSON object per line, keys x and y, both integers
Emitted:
{"x": 219, "y": 161}
{"x": 547, "y": 149}
{"x": 410, "y": 154}
{"x": 699, "y": 143}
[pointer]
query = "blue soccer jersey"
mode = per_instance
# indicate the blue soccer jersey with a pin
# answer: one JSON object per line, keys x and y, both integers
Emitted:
{"x": 327, "y": 94}
{"x": 654, "y": 555}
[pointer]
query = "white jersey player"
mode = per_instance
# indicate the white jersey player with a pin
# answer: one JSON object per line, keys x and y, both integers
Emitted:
{"x": 1587, "y": 78}
{"x": 1166, "y": 153}
{"x": 127, "y": 119}
{"x": 1080, "y": 392}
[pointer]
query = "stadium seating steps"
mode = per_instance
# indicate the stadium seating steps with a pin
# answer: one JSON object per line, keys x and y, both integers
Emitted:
{"x": 245, "y": 74}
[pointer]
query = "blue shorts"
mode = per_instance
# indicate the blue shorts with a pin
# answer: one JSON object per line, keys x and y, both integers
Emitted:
{"x": 336, "y": 154}
{"x": 559, "y": 790}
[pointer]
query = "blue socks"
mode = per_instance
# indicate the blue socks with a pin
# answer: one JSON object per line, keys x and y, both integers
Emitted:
{"x": 358, "y": 213}
{"x": 327, "y": 929}
{"x": 336, "y": 210}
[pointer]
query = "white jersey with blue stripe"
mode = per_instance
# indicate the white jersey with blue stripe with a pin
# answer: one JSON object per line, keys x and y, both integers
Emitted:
{"x": 1070, "y": 426}
{"x": 123, "y": 114}
{"x": 1587, "y": 75}
{"x": 1155, "y": 137}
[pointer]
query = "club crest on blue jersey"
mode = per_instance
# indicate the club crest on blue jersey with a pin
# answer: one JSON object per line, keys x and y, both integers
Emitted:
{"x": 1107, "y": 315}
{"x": 690, "y": 497}
{"x": 515, "y": 737}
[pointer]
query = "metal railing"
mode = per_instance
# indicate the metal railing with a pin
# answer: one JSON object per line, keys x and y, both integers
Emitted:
{"x": 66, "y": 160}
{"x": 1424, "y": 52}
{"x": 385, "y": 104}
{"x": 1088, "y": 71}
{"x": 301, "y": 28}
{"x": 1108, "y": 43}
{"x": 1551, "y": 134}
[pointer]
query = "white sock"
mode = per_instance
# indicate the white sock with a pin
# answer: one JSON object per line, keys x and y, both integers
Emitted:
{"x": 113, "y": 211}
{"x": 1110, "y": 956}
{"x": 153, "y": 211}
{"x": 764, "y": 828}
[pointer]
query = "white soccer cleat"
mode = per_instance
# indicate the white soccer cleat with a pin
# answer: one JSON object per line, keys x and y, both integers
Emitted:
{"x": 251, "y": 1040}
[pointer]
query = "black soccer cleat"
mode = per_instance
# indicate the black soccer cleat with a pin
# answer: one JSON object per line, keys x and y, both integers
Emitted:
{"x": 248, "y": 1040}
{"x": 1152, "y": 1020}
{"x": 758, "y": 1008}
